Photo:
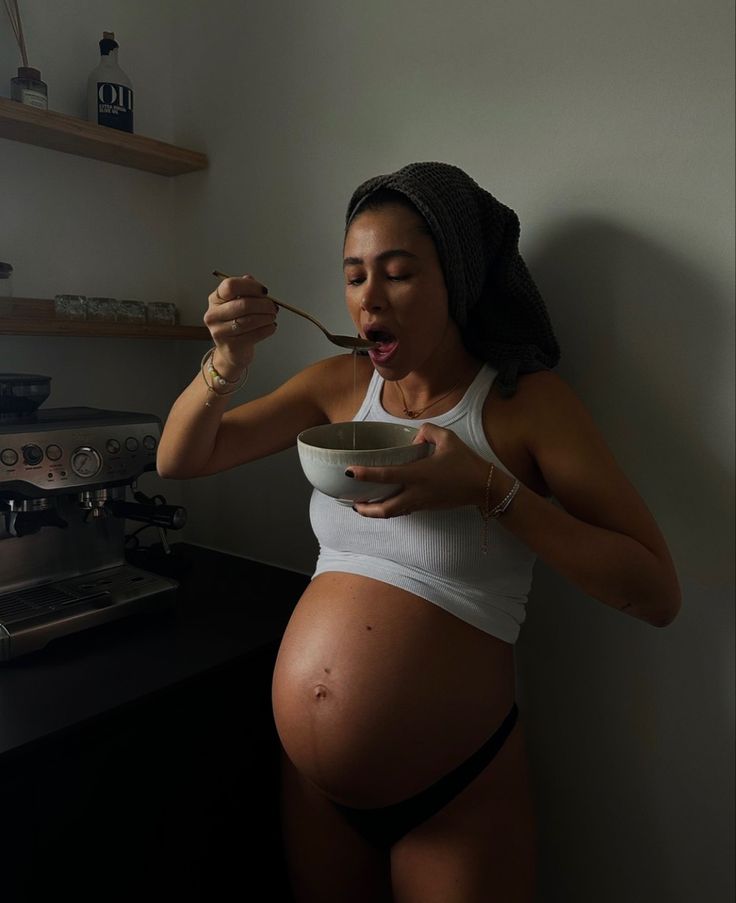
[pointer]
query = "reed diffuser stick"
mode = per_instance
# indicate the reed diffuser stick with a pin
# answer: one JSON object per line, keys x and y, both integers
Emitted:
{"x": 15, "y": 20}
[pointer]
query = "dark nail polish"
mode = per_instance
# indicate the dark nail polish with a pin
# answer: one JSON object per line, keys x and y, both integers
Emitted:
{"x": 264, "y": 290}
{"x": 349, "y": 473}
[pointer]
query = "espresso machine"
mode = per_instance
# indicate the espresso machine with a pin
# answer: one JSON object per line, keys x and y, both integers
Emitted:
{"x": 64, "y": 478}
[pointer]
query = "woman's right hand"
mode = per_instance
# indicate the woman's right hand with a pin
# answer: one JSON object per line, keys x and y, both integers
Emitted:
{"x": 238, "y": 316}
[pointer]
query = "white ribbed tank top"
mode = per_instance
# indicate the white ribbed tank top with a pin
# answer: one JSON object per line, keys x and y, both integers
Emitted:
{"x": 434, "y": 554}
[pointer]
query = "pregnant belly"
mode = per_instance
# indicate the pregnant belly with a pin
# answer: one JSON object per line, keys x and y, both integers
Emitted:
{"x": 377, "y": 693}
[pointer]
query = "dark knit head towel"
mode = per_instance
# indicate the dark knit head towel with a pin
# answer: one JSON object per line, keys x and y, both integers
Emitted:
{"x": 492, "y": 297}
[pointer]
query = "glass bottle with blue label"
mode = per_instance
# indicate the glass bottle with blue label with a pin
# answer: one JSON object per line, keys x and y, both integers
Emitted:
{"x": 109, "y": 90}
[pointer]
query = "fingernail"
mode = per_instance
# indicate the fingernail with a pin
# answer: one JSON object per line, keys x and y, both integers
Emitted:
{"x": 264, "y": 290}
{"x": 349, "y": 473}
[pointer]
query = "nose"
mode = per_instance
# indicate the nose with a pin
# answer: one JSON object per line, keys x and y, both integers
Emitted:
{"x": 372, "y": 297}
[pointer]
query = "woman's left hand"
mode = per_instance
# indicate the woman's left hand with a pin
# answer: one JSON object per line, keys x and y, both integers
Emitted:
{"x": 453, "y": 476}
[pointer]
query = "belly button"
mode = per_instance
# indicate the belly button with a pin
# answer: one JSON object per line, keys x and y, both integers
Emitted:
{"x": 320, "y": 691}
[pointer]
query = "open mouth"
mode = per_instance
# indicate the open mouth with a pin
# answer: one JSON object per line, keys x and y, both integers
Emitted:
{"x": 386, "y": 344}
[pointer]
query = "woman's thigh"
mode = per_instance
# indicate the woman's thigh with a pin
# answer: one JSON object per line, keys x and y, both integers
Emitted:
{"x": 481, "y": 847}
{"x": 327, "y": 861}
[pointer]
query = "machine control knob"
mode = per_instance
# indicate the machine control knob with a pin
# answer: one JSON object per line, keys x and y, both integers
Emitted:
{"x": 32, "y": 454}
{"x": 113, "y": 446}
{"x": 131, "y": 443}
{"x": 9, "y": 457}
{"x": 149, "y": 443}
{"x": 53, "y": 453}
{"x": 86, "y": 462}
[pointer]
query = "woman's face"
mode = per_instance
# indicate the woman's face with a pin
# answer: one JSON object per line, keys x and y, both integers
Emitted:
{"x": 395, "y": 288}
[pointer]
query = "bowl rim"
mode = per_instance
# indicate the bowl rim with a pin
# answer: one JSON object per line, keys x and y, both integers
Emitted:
{"x": 384, "y": 448}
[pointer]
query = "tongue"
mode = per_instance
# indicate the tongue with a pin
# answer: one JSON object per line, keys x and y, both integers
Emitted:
{"x": 384, "y": 348}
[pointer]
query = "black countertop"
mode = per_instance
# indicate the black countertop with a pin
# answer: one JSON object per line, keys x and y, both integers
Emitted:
{"x": 227, "y": 608}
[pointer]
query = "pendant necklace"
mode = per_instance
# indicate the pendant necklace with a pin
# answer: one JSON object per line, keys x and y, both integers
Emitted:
{"x": 414, "y": 414}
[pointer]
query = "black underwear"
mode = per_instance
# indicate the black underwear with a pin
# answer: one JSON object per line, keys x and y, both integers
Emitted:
{"x": 384, "y": 826}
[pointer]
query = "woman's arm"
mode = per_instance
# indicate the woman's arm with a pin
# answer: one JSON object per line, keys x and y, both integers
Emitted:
{"x": 198, "y": 441}
{"x": 604, "y": 538}
{"x": 238, "y": 317}
{"x": 200, "y": 437}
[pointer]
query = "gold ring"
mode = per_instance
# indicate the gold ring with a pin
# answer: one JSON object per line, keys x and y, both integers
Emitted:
{"x": 235, "y": 324}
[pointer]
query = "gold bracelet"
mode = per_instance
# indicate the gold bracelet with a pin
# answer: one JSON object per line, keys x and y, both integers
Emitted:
{"x": 486, "y": 511}
{"x": 218, "y": 378}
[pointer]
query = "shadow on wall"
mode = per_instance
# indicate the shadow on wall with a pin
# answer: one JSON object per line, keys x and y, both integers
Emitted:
{"x": 628, "y": 725}
{"x": 646, "y": 343}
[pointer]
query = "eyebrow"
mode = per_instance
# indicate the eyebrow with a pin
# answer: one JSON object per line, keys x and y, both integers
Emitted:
{"x": 384, "y": 255}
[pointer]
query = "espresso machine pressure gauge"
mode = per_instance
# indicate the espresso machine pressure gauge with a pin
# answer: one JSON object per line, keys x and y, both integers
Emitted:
{"x": 86, "y": 462}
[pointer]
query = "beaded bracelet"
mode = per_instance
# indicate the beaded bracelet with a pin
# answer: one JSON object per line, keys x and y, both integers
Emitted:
{"x": 218, "y": 378}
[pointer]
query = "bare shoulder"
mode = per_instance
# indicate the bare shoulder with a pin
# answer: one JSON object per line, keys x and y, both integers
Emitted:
{"x": 537, "y": 397}
{"x": 341, "y": 366}
{"x": 580, "y": 469}
{"x": 327, "y": 379}
{"x": 544, "y": 434}
{"x": 548, "y": 408}
{"x": 516, "y": 426}
{"x": 342, "y": 382}
{"x": 543, "y": 387}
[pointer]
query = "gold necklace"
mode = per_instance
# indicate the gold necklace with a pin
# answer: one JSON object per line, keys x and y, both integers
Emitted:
{"x": 414, "y": 414}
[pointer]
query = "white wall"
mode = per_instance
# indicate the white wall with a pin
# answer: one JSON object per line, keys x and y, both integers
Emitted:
{"x": 609, "y": 129}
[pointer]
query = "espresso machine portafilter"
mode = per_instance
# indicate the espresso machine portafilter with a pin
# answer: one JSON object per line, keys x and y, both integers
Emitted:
{"x": 64, "y": 478}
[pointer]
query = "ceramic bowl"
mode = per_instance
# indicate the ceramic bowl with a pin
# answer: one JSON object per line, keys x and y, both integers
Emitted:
{"x": 327, "y": 451}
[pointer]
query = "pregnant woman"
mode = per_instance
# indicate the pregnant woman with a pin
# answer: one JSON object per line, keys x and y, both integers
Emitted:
{"x": 403, "y": 762}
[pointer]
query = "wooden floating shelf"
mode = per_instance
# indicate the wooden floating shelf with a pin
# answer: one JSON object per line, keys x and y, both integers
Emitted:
{"x": 101, "y": 330}
{"x": 34, "y": 316}
{"x": 57, "y": 131}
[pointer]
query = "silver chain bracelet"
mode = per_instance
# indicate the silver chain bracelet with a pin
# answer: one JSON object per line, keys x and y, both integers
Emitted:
{"x": 504, "y": 503}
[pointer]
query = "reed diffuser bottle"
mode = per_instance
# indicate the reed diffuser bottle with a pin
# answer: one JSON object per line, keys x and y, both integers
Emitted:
{"x": 27, "y": 86}
{"x": 109, "y": 90}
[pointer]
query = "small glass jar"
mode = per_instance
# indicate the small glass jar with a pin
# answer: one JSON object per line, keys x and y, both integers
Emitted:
{"x": 6, "y": 280}
{"x": 28, "y": 88}
{"x": 161, "y": 313}
{"x": 130, "y": 311}
{"x": 70, "y": 307}
{"x": 101, "y": 309}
